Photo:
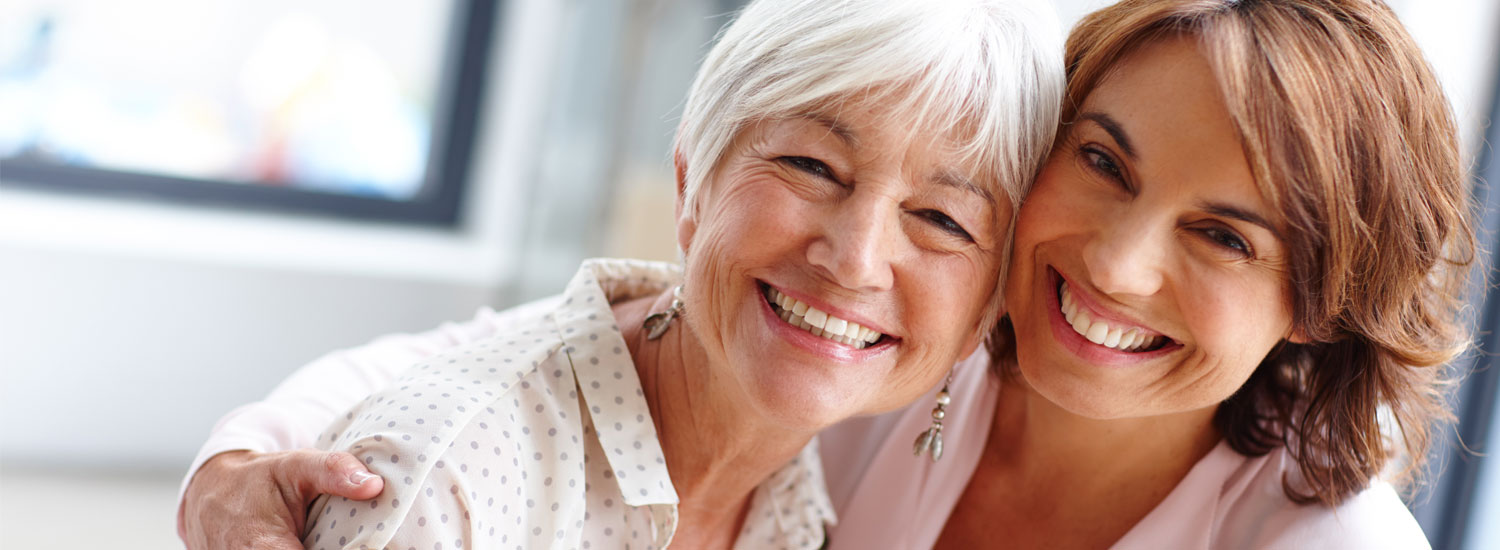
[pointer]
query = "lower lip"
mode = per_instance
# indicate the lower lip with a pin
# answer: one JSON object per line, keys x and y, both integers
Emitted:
{"x": 818, "y": 345}
{"x": 1082, "y": 347}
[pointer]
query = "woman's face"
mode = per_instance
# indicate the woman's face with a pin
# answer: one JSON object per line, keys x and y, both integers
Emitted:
{"x": 832, "y": 219}
{"x": 1148, "y": 277}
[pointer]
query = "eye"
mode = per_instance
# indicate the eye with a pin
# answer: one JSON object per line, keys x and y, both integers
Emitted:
{"x": 1102, "y": 163}
{"x": 810, "y": 165}
{"x": 945, "y": 223}
{"x": 1228, "y": 240}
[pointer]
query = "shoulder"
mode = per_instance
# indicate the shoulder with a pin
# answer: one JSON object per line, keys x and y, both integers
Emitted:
{"x": 1371, "y": 520}
{"x": 439, "y": 390}
{"x": 1262, "y": 516}
{"x": 433, "y": 401}
{"x": 482, "y": 429}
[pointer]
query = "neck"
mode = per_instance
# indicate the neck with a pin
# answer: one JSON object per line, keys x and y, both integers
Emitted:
{"x": 1052, "y": 447}
{"x": 718, "y": 447}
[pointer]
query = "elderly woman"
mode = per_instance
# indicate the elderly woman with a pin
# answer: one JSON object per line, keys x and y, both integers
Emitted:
{"x": 847, "y": 172}
{"x": 1231, "y": 287}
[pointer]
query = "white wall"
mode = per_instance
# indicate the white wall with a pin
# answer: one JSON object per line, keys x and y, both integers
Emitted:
{"x": 126, "y": 361}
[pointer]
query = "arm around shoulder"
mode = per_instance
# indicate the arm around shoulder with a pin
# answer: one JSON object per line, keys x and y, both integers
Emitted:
{"x": 291, "y": 418}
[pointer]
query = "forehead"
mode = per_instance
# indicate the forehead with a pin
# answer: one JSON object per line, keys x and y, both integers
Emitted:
{"x": 1167, "y": 102}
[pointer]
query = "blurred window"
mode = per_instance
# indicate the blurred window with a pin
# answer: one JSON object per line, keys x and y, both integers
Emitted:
{"x": 1458, "y": 506}
{"x": 361, "y": 108}
{"x": 1473, "y": 486}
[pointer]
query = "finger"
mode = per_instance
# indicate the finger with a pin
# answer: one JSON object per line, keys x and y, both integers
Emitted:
{"x": 338, "y": 474}
{"x": 284, "y": 542}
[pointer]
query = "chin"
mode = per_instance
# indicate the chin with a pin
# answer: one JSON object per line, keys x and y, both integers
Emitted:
{"x": 1093, "y": 399}
{"x": 801, "y": 400}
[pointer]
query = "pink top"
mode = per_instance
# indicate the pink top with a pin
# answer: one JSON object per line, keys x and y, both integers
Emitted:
{"x": 884, "y": 496}
{"x": 887, "y": 498}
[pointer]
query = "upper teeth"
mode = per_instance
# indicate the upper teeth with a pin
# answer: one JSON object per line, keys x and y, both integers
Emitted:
{"x": 819, "y": 323}
{"x": 1100, "y": 332}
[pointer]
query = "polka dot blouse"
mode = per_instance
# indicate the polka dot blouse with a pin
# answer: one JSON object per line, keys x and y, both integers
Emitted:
{"x": 538, "y": 438}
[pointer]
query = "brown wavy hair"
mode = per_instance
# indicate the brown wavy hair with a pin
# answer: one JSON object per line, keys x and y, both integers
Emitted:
{"x": 1348, "y": 132}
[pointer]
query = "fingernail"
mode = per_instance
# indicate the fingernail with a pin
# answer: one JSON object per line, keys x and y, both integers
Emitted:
{"x": 359, "y": 478}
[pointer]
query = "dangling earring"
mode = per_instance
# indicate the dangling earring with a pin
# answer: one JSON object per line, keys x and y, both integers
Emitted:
{"x": 932, "y": 439}
{"x": 657, "y": 323}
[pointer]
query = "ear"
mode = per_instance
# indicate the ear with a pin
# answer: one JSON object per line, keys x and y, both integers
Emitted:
{"x": 978, "y": 339}
{"x": 971, "y": 346}
{"x": 1298, "y": 336}
{"x": 686, "y": 225}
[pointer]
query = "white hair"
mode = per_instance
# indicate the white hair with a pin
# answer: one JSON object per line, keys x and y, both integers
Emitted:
{"x": 992, "y": 68}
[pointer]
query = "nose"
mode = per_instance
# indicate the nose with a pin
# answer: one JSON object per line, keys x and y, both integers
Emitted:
{"x": 1127, "y": 256}
{"x": 858, "y": 242}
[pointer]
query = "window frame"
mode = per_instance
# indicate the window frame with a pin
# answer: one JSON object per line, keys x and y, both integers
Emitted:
{"x": 438, "y": 202}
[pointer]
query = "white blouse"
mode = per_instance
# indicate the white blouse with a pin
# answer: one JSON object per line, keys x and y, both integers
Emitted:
{"x": 539, "y": 437}
{"x": 1227, "y": 501}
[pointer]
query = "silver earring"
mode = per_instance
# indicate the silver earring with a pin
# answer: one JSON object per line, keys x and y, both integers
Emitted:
{"x": 657, "y": 323}
{"x": 931, "y": 440}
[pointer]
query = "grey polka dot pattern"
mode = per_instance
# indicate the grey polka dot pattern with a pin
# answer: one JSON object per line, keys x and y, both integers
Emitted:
{"x": 538, "y": 438}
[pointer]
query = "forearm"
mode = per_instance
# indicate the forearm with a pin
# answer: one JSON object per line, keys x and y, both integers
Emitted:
{"x": 302, "y": 405}
{"x": 298, "y": 409}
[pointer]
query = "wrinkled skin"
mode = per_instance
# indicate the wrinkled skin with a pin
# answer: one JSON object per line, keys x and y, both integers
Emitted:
{"x": 242, "y": 499}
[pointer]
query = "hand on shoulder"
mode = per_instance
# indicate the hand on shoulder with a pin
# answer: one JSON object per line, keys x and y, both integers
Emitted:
{"x": 244, "y": 499}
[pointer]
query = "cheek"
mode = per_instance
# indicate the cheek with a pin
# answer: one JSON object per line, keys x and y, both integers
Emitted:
{"x": 1238, "y": 323}
{"x": 1044, "y": 217}
{"x": 950, "y": 303}
{"x": 744, "y": 228}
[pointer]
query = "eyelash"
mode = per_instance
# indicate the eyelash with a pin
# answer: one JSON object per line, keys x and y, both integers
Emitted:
{"x": 1228, "y": 240}
{"x": 1102, "y": 163}
{"x": 812, "y": 166}
{"x": 817, "y": 168}
{"x": 1105, "y": 165}
{"x": 945, "y": 223}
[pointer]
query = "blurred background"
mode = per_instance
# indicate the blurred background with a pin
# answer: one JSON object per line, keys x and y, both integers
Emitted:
{"x": 199, "y": 196}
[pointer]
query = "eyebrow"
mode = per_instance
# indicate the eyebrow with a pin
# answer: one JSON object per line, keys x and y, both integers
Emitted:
{"x": 1113, "y": 128}
{"x": 947, "y": 179}
{"x": 958, "y": 181}
{"x": 844, "y": 133}
{"x": 1237, "y": 213}
{"x": 1115, "y": 131}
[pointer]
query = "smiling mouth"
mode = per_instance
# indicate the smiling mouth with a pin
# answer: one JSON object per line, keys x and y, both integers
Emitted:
{"x": 1101, "y": 332}
{"x": 819, "y": 323}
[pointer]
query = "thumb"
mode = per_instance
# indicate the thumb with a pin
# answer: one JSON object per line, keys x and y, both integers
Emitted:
{"x": 282, "y": 541}
{"x": 335, "y": 473}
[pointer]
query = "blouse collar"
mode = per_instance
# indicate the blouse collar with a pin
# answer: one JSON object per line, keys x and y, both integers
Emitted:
{"x": 795, "y": 496}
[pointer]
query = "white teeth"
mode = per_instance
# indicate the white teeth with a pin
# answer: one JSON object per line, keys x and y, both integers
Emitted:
{"x": 1113, "y": 339}
{"x": 1082, "y": 322}
{"x": 819, "y": 323}
{"x": 816, "y": 317}
{"x": 1099, "y": 331}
